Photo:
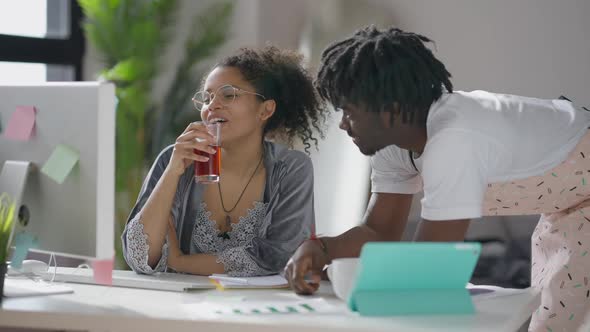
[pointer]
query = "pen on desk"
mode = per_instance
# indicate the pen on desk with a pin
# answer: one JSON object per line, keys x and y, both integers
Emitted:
{"x": 218, "y": 286}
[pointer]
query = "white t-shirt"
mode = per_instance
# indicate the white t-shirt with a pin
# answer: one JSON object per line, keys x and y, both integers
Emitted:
{"x": 476, "y": 138}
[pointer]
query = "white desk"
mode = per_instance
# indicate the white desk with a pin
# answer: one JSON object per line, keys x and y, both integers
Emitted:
{"x": 100, "y": 308}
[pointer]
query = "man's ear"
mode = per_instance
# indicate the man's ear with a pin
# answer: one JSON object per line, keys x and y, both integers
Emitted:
{"x": 386, "y": 117}
{"x": 269, "y": 107}
{"x": 390, "y": 115}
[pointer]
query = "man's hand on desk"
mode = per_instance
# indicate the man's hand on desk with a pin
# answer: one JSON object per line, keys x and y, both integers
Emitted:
{"x": 309, "y": 259}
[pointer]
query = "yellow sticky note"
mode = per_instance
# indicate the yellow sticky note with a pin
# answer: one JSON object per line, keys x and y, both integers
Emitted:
{"x": 60, "y": 163}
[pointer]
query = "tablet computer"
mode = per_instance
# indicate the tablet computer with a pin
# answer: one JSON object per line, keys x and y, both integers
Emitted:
{"x": 400, "y": 278}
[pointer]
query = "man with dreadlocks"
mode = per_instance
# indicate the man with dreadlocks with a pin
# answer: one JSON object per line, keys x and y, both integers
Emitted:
{"x": 471, "y": 153}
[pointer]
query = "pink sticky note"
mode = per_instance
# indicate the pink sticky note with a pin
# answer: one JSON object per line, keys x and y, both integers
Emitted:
{"x": 21, "y": 124}
{"x": 103, "y": 271}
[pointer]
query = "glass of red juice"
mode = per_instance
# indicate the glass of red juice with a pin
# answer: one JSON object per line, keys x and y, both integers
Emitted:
{"x": 210, "y": 171}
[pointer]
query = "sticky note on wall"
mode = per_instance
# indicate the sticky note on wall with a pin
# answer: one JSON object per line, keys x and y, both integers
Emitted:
{"x": 21, "y": 124}
{"x": 60, "y": 163}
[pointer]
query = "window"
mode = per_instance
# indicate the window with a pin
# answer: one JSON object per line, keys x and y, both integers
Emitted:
{"x": 41, "y": 41}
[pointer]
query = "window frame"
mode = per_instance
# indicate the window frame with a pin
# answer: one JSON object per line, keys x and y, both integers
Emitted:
{"x": 51, "y": 51}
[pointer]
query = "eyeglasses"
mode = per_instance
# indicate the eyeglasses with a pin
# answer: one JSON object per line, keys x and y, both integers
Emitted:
{"x": 226, "y": 95}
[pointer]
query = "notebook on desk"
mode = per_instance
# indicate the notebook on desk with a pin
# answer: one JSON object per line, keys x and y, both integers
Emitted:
{"x": 165, "y": 281}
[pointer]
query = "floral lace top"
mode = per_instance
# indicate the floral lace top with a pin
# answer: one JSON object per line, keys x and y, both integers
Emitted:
{"x": 230, "y": 252}
{"x": 260, "y": 243}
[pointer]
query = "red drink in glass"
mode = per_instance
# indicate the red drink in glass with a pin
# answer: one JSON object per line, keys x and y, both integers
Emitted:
{"x": 208, "y": 171}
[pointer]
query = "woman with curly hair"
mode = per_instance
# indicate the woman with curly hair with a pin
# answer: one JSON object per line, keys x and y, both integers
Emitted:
{"x": 252, "y": 220}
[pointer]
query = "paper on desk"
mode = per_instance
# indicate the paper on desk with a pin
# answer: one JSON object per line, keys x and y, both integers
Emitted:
{"x": 19, "y": 287}
{"x": 60, "y": 163}
{"x": 219, "y": 309}
{"x": 21, "y": 124}
{"x": 272, "y": 281}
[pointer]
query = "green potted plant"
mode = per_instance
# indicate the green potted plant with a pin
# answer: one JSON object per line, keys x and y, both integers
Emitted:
{"x": 7, "y": 208}
{"x": 130, "y": 36}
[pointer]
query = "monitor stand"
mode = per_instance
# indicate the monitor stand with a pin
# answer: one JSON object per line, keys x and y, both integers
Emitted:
{"x": 13, "y": 179}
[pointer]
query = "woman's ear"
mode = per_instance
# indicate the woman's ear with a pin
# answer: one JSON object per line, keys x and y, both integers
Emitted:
{"x": 269, "y": 107}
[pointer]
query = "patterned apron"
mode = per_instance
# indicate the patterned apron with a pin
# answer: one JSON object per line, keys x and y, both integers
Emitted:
{"x": 561, "y": 240}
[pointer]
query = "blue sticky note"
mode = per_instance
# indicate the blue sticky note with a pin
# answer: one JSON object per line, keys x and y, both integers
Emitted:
{"x": 22, "y": 243}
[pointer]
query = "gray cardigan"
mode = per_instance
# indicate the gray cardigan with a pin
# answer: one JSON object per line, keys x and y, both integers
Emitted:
{"x": 288, "y": 219}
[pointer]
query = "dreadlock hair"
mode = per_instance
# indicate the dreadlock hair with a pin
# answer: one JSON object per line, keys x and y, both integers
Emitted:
{"x": 279, "y": 75}
{"x": 377, "y": 68}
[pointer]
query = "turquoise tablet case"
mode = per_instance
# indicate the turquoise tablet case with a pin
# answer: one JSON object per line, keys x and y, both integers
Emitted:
{"x": 408, "y": 278}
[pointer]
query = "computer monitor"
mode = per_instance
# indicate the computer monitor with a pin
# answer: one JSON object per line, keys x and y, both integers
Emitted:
{"x": 74, "y": 218}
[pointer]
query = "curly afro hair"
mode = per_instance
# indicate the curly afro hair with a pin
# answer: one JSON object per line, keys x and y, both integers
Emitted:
{"x": 279, "y": 75}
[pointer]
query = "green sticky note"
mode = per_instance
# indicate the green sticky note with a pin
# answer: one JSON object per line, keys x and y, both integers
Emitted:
{"x": 60, "y": 163}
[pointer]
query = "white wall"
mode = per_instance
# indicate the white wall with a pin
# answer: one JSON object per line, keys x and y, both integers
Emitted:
{"x": 531, "y": 47}
{"x": 281, "y": 22}
{"x": 341, "y": 171}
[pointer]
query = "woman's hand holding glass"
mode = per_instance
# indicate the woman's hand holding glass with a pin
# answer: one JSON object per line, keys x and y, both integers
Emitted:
{"x": 195, "y": 136}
